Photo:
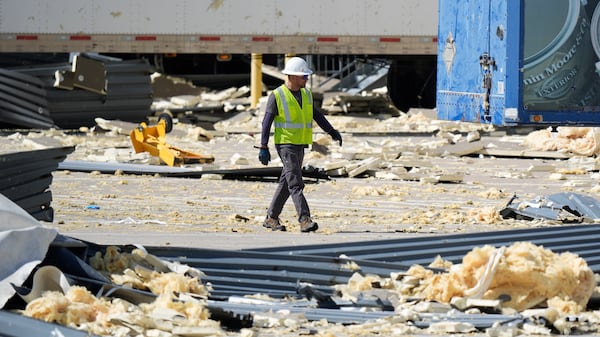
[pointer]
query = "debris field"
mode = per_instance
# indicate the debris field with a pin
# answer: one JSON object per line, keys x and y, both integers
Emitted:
{"x": 396, "y": 176}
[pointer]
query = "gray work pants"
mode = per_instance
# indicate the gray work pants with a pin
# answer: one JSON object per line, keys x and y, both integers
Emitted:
{"x": 290, "y": 182}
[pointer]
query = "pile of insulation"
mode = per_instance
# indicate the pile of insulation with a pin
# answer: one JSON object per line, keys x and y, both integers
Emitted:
{"x": 523, "y": 280}
{"x": 583, "y": 141}
{"x": 178, "y": 309}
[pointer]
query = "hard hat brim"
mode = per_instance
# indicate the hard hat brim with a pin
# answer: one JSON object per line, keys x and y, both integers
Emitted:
{"x": 297, "y": 73}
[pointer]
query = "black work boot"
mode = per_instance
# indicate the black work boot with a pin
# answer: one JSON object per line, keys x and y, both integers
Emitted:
{"x": 307, "y": 225}
{"x": 273, "y": 224}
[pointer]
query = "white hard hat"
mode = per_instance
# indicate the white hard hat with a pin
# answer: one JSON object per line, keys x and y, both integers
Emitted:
{"x": 296, "y": 66}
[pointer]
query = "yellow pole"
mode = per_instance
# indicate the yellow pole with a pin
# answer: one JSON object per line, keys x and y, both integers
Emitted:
{"x": 255, "y": 80}
{"x": 287, "y": 57}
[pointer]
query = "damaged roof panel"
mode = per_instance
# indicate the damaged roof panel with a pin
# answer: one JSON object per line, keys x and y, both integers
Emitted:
{"x": 15, "y": 325}
{"x": 128, "y": 94}
{"x": 25, "y": 178}
{"x": 423, "y": 249}
{"x": 231, "y": 272}
{"x": 23, "y": 101}
{"x": 565, "y": 207}
{"x": 181, "y": 172}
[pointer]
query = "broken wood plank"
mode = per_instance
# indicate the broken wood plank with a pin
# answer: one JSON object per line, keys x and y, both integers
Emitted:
{"x": 495, "y": 152}
{"x": 410, "y": 163}
{"x": 462, "y": 303}
{"x": 335, "y": 165}
{"x": 339, "y": 172}
{"x": 541, "y": 168}
{"x": 458, "y": 149}
{"x": 117, "y": 126}
{"x": 432, "y": 178}
{"x": 363, "y": 166}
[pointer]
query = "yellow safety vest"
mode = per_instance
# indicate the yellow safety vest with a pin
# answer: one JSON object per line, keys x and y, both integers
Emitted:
{"x": 293, "y": 124}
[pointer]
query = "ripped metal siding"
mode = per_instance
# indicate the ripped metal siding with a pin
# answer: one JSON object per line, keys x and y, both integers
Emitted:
{"x": 14, "y": 324}
{"x": 272, "y": 172}
{"x": 284, "y": 274}
{"x": 25, "y": 179}
{"x": 277, "y": 271}
{"x": 579, "y": 239}
{"x": 566, "y": 207}
{"x": 23, "y": 101}
{"x": 128, "y": 94}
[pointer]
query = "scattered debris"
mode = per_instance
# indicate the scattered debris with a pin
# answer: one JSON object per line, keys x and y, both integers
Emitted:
{"x": 456, "y": 149}
{"x": 562, "y": 207}
{"x": 138, "y": 292}
{"x": 165, "y": 86}
{"x": 374, "y": 104}
{"x": 507, "y": 289}
{"x": 205, "y": 106}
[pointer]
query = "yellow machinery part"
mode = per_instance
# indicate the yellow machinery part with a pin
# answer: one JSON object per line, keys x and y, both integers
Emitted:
{"x": 151, "y": 139}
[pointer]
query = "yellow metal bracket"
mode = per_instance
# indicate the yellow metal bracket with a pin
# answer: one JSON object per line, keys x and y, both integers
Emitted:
{"x": 151, "y": 139}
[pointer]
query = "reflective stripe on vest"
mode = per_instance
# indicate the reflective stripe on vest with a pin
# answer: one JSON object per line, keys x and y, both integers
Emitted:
{"x": 293, "y": 124}
{"x": 286, "y": 112}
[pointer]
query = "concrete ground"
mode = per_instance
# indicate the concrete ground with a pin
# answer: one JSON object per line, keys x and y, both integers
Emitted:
{"x": 209, "y": 212}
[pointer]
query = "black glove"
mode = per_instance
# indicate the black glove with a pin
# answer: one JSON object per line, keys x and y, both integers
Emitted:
{"x": 336, "y": 136}
{"x": 264, "y": 155}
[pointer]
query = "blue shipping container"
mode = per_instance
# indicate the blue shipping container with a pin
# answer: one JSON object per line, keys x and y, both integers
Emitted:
{"x": 519, "y": 62}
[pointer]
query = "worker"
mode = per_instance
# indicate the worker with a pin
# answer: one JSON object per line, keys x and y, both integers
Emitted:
{"x": 291, "y": 108}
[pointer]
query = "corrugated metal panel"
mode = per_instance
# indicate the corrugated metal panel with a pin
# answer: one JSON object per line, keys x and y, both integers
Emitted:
{"x": 238, "y": 273}
{"x": 564, "y": 207}
{"x": 357, "y": 316}
{"x": 579, "y": 239}
{"x": 23, "y": 101}
{"x": 128, "y": 97}
{"x": 284, "y": 273}
{"x": 310, "y": 271}
{"x": 263, "y": 273}
{"x": 277, "y": 271}
{"x": 167, "y": 171}
{"x": 279, "y": 275}
{"x": 13, "y": 324}
{"x": 25, "y": 178}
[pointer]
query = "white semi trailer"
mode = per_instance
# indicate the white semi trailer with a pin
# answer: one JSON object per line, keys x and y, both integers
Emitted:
{"x": 401, "y": 31}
